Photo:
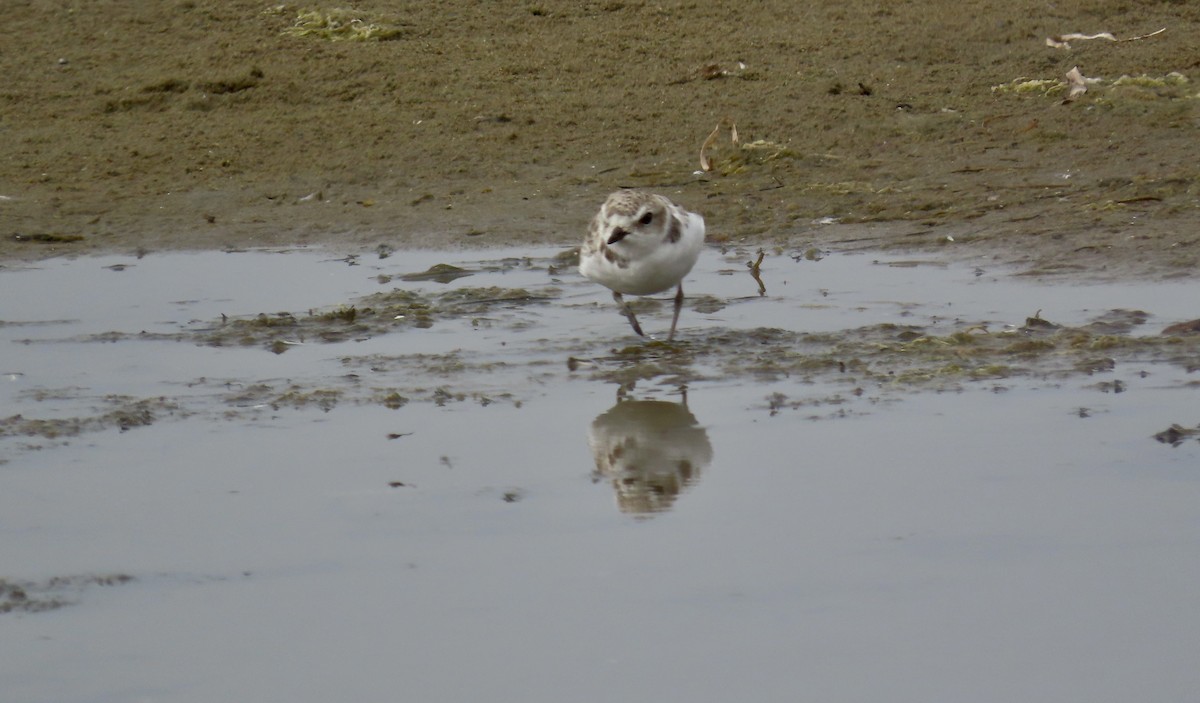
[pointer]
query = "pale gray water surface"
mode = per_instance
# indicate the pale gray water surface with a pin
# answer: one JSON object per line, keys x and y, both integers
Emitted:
{"x": 463, "y": 510}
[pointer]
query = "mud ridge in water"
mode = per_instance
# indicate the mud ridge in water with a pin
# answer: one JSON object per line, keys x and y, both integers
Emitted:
{"x": 57, "y": 592}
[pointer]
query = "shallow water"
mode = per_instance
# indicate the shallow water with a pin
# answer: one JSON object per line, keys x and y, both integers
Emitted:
{"x": 529, "y": 520}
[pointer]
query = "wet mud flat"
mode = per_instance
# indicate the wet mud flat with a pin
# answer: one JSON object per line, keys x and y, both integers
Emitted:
{"x": 939, "y": 470}
{"x": 458, "y": 124}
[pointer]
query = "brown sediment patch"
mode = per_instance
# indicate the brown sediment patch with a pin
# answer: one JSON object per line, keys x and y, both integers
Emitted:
{"x": 57, "y": 592}
{"x": 915, "y": 125}
{"x": 116, "y": 411}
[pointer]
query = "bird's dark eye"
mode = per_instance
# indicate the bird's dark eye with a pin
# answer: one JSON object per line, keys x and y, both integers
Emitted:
{"x": 647, "y": 218}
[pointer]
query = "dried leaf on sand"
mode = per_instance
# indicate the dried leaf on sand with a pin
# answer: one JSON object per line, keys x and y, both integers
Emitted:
{"x": 705, "y": 162}
{"x": 1063, "y": 41}
{"x": 1077, "y": 84}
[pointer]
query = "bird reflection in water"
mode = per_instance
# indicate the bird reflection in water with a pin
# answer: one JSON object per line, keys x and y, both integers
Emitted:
{"x": 650, "y": 451}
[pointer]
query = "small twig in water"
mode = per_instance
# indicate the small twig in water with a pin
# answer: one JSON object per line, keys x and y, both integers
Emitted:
{"x": 756, "y": 271}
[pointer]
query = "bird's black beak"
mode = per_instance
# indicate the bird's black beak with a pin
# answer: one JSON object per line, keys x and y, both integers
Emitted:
{"x": 617, "y": 235}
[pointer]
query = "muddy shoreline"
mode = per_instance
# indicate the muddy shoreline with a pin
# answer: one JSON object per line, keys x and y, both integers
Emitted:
{"x": 136, "y": 127}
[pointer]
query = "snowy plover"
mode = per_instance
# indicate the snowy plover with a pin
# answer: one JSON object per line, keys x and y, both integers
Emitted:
{"x": 640, "y": 243}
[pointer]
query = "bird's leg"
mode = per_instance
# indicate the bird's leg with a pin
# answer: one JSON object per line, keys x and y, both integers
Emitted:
{"x": 628, "y": 314}
{"x": 678, "y": 307}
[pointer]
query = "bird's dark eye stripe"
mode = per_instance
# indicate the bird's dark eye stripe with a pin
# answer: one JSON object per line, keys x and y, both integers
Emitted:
{"x": 647, "y": 218}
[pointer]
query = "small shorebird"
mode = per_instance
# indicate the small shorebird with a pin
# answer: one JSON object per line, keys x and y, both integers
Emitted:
{"x": 640, "y": 244}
